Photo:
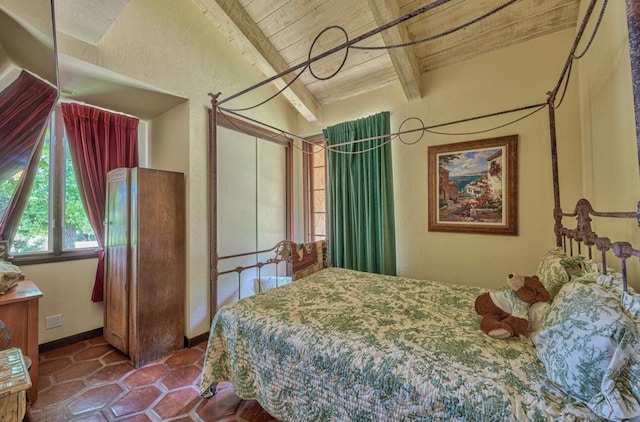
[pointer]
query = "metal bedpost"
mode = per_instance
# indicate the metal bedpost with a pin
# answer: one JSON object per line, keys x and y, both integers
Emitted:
{"x": 213, "y": 204}
{"x": 557, "y": 210}
{"x": 633, "y": 24}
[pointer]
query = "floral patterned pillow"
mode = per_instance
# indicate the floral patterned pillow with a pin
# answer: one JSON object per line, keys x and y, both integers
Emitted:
{"x": 551, "y": 271}
{"x": 590, "y": 347}
{"x": 580, "y": 267}
{"x": 631, "y": 305}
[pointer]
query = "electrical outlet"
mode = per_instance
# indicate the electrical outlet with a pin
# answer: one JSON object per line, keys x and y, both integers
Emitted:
{"x": 53, "y": 321}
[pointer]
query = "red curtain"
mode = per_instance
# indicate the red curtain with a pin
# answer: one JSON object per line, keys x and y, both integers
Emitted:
{"x": 25, "y": 106}
{"x": 99, "y": 141}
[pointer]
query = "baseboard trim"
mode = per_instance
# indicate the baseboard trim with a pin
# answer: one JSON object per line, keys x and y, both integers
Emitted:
{"x": 190, "y": 342}
{"x": 56, "y": 344}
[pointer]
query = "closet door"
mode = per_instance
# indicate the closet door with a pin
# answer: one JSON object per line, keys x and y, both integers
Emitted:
{"x": 251, "y": 208}
{"x": 116, "y": 261}
{"x": 271, "y": 201}
{"x": 236, "y": 210}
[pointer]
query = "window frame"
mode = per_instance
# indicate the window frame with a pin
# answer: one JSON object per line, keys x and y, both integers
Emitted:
{"x": 56, "y": 202}
{"x": 308, "y": 191}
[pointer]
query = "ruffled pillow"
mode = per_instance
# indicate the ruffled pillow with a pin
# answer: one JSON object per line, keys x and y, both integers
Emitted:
{"x": 580, "y": 267}
{"x": 266, "y": 283}
{"x": 551, "y": 272}
{"x": 590, "y": 347}
{"x": 537, "y": 316}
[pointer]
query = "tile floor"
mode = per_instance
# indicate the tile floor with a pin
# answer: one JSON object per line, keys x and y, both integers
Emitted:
{"x": 90, "y": 381}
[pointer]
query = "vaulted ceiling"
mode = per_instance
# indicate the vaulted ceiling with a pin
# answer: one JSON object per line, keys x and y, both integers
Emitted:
{"x": 276, "y": 35}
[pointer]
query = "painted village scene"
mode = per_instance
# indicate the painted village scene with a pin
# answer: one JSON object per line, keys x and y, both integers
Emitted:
{"x": 471, "y": 186}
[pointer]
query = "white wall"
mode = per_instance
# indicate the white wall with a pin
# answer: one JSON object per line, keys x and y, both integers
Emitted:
{"x": 66, "y": 288}
{"x": 610, "y": 152}
{"x": 168, "y": 143}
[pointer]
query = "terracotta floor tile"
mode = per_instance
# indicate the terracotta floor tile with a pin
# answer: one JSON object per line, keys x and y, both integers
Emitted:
{"x": 66, "y": 350}
{"x": 59, "y": 414}
{"x": 224, "y": 384}
{"x": 110, "y": 373}
{"x": 252, "y": 411}
{"x": 49, "y": 367}
{"x": 58, "y": 393}
{"x": 196, "y": 382}
{"x": 146, "y": 375}
{"x": 176, "y": 403}
{"x": 94, "y": 399}
{"x": 93, "y": 417}
{"x": 185, "y": 419}
{"x": 114, "y": 356}
{"x": 92, "y": 352}
{"x": 97, "y": 340}
{"x": 223, "y": 404}
{"x": 37, "y": 417}
{"x": 180, "y": 377}
{"x": 77, "y": 370}
{"x": 43, "y": 382}
{"x": 141, "y": 417}
{"x": 73, "y": 387}
{"x": 135, "y": 401}
{"x": 184, "y": 357}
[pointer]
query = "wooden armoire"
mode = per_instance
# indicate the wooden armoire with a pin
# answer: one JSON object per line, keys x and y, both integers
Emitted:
{"x": 144, "y": 290}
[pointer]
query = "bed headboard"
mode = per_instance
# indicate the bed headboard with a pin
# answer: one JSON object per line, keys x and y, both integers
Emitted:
{"x": 301, "y": 259}
{"x": 584, "y": 236}
{"x": 307, "y": 258}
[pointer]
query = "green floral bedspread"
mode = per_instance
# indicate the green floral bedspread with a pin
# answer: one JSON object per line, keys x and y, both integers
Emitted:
{"x": 341, "y": 345}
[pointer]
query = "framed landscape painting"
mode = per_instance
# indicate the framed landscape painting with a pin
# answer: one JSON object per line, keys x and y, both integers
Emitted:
{"x": 473, "y": 186}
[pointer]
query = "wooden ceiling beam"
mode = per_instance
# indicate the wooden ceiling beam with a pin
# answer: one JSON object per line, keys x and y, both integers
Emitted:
{"x": 237, "y": 25}
{"x": 404, "y": 59}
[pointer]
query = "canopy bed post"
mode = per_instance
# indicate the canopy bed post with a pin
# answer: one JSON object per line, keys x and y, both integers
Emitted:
{"x": 557, "y": 209}
{"x": 213, "y": 204}
{"x": 551, "y": 101}
{"x": 633, "y": 23}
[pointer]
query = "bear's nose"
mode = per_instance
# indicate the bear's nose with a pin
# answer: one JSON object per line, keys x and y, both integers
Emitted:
{"x": 510, "y": 275}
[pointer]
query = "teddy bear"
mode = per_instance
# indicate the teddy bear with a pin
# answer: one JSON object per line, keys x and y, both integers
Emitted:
{"x": 505, "y": 312}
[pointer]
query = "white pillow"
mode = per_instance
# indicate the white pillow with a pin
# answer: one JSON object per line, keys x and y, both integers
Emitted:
{"x": 537, "y": 315}
{"x": 590, "y": 347}
{"x": 266, "y": 283}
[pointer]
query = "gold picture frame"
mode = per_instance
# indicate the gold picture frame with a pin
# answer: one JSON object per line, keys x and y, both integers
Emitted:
{"x": 473, "y": 186}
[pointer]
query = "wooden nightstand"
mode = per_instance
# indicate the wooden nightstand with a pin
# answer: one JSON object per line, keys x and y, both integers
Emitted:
{"x": 19, "y": 311}
{"x": 14, "y": 381}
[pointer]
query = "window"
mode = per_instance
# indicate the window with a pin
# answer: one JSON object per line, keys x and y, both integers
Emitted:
{"x": 54, "y": 225}
{"x": 316, "y": 189}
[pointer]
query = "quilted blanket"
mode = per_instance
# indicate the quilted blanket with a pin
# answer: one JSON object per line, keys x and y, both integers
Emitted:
{"x": 342, "y": 345}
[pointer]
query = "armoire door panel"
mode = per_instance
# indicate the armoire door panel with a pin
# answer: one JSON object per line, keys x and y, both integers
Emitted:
{"x": 116, "y": 288}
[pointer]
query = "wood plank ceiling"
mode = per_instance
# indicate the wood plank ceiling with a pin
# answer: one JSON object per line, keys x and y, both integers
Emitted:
{"x": 277, "y": 34}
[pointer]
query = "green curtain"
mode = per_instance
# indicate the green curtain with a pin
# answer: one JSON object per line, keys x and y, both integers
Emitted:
{"x": 360, "y": 196}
